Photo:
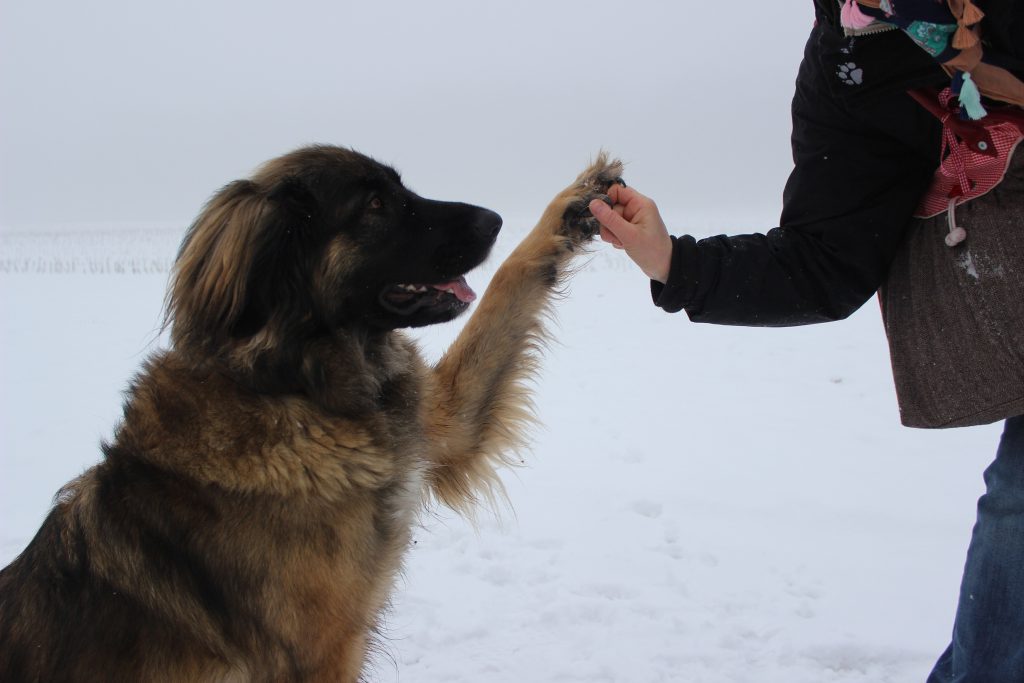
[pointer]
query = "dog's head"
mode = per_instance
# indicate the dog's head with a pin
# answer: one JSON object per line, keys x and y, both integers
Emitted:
{"x": 319, "y": 240}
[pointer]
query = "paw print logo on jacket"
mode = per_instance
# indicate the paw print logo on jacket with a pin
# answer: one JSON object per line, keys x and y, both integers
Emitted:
{"x": 850, "y": 74}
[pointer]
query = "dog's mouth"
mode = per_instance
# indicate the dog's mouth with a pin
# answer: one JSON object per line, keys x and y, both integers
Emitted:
{"x": 453, "y": 295}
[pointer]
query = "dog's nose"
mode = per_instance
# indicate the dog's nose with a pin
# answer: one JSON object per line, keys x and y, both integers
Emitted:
{"x": 486, "y": 223}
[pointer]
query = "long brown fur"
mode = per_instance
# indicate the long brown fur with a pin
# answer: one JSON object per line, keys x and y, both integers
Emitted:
{"x": 247, "y": 523}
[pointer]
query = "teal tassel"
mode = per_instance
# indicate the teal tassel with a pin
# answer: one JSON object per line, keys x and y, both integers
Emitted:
{"x": 970, "y": 99}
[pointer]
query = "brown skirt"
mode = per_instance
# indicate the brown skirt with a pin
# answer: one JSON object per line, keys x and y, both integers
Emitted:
{"x": 954, "y": 317}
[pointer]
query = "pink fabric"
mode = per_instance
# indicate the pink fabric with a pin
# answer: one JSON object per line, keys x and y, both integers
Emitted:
{"x": 970, "y": 169}
{"x": 852, "y": 17}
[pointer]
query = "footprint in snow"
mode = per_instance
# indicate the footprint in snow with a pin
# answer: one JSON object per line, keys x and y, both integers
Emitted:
{"x": 647, "y": 508}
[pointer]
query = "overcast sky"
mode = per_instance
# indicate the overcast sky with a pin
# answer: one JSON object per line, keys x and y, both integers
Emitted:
{"x": 120, "y": 111}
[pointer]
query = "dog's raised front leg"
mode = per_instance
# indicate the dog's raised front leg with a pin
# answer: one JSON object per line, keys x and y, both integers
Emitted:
{"x": 480, "y": 400}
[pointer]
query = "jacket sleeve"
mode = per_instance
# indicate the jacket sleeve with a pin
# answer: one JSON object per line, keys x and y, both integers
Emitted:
{"x": 859, "y": 173}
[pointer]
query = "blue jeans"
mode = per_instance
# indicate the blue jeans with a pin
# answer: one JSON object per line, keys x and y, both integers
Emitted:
{"x": 988, "y": 635}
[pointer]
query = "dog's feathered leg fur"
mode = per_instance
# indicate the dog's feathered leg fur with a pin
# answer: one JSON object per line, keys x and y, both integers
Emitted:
{"x": 481, "y": 398}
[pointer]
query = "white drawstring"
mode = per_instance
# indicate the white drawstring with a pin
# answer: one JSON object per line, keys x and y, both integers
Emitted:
{"x": 956, "y": 233}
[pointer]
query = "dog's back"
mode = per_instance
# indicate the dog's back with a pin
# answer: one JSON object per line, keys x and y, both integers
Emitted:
{"x": 60, "y": 620}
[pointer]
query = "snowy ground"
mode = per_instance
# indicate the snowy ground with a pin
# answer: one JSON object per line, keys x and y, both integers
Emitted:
{"x": 705, "y": 505}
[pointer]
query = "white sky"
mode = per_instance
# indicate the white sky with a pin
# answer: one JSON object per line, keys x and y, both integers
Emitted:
{"x": 127, "y": 111}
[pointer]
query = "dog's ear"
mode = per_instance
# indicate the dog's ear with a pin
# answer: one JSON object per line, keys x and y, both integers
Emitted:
{"x": 207, "y": 292}
{"x": 277, "y": 289}
{"x": 293, "y": 198}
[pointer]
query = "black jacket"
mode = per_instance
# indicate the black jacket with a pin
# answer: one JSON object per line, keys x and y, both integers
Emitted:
{"x": 864, "y": 153}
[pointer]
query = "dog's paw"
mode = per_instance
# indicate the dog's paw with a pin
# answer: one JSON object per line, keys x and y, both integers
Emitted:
{"x": 593, "y": 183}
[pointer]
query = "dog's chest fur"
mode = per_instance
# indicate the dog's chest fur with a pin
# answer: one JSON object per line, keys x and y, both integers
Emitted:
{"x": 319, "y": 504}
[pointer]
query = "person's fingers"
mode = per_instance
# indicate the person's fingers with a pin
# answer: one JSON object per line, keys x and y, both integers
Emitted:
{"x": 621, "y": 194}
{"x": 637, "y": 206}
{"x": 607, "y": 236}
{"x": 613, "y": 192}
{"x": 611, "y": 221}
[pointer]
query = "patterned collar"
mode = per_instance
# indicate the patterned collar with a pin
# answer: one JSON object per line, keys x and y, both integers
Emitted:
{"x": 950, "y": 33}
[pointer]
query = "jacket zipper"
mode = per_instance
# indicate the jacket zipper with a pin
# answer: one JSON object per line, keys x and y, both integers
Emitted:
{"x": 880, "y": 27}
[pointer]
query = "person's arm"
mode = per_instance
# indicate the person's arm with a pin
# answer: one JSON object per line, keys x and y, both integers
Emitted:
{"x": 858, "y": 176}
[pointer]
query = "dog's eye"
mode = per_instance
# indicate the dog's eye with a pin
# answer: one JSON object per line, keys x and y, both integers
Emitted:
{"x": 375, "y": 203}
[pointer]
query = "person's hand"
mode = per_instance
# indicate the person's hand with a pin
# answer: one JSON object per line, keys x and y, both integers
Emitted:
{"x": 634, "y": 225}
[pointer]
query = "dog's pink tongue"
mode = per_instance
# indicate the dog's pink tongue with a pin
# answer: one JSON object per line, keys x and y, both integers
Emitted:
{"x": 459, "y": 288}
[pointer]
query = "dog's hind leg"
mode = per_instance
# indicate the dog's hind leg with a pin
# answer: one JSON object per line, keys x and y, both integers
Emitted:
{"x": 480, "y": 393}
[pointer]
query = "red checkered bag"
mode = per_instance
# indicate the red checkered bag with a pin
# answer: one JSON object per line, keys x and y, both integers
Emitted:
{"x": 975, "y": 156}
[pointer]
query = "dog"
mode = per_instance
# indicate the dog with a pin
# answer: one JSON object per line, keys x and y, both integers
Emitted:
{"x": 252, "y": 510}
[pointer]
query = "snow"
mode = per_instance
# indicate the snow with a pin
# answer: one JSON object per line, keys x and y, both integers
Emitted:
{"x": 701, "y": 504}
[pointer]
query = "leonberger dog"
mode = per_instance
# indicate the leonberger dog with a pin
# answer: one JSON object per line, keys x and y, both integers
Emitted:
{"x": 252, "y": 510}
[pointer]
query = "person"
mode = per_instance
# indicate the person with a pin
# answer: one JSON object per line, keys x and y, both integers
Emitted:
{"x": 867, "y": 158}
